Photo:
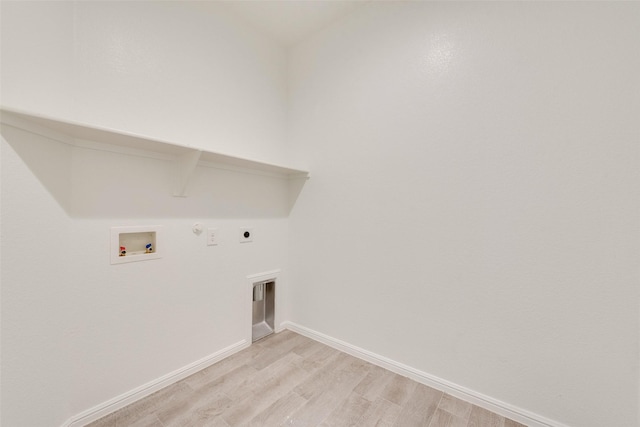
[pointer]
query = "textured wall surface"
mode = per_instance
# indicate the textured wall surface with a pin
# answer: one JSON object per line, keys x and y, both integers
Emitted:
{"x": 473, "y": 211}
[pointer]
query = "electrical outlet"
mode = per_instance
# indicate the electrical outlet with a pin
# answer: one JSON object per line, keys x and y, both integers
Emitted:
{"x": 246, "y": 234}
{"x": 212, "y": 236}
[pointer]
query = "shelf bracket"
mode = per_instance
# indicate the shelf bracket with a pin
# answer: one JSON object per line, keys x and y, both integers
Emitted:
{"x": 185, "y": 166}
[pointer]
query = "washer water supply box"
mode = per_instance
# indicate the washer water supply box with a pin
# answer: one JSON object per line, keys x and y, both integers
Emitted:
{"x": 137, "y": 243}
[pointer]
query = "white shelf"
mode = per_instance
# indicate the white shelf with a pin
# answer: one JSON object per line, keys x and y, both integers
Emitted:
{"x": 185, "y": 158}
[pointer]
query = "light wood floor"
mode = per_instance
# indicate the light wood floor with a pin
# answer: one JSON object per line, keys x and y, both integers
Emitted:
{"x": 290, "y": 380}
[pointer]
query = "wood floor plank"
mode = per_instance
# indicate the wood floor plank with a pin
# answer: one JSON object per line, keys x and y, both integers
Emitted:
{"x": 150, "y": 420}
{"x": 307, "y": 348}
{"x": 349, "y": 413}
{"x": 227, "y": 383}
{"x": 322, "y": 404}
{"x": 455, "y": 406}
{"x": 443, "y": 418}
{"x": 374, "y": 383}
{"x": 274, "y": 352}
{"x": 419, "y": 407}
{"x": 511, "y": 423}
{"x": 324, "y": 400}
{"x": 279, "y": 412}
{"x": 201, "y": 408}
{"x": 106, "y": 421}
{"x": 323, "y": 377}
{"x": 139, "y": 410}
{"x": 319, "y": 358}
{"x": 275, "y": 340}
{"x": 217, "y": 422}
{"x": 398, "y": 389}
{"x": 480, "y": 417}
{"x": 381, "y": 413}
{"x": 261, "y": 394}
{"x": 223, "y": 367}
{"x": 280, "y": 368}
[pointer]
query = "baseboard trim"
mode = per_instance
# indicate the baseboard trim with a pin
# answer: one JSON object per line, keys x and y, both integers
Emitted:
{"x": 517, "y": 414}
{"x": 145, "y": 390}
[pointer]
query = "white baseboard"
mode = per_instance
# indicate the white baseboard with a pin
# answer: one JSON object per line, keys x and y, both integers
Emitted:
{"x": 517, "y": 414}
{"x": 509, "y": 411}
{"x": 145, "y": 390}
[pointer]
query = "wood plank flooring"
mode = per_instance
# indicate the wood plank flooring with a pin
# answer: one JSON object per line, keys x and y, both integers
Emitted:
{"x": 290, "y": 380}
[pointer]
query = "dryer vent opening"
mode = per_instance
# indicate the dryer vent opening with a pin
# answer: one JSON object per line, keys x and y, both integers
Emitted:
{"x": 263, "y": 310}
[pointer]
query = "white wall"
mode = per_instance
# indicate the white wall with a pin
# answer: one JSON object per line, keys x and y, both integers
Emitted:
{"x": 174, "y": 70}
{"x": 473, "y": 211}
{"x": 77, "y": 331}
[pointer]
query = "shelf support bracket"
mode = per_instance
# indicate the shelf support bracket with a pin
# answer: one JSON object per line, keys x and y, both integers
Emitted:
{"x": 185, "y": 166}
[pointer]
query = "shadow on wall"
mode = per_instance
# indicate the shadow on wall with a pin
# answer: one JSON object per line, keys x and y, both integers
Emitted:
{"x": 93, "y": 183}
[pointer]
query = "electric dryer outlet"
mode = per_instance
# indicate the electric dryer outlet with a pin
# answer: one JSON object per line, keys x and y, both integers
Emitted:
{"x": 246, "y": 234}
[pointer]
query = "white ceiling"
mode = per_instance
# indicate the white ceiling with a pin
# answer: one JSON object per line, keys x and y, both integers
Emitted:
{"x": 289, "y": 21}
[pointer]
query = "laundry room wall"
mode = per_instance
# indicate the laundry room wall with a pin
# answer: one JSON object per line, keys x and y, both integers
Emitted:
{"x": 76, "y": 330}
{"x": 473, "y": 212}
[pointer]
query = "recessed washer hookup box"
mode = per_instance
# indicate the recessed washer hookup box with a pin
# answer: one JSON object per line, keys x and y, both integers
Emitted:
{"x": 136, "y": 243}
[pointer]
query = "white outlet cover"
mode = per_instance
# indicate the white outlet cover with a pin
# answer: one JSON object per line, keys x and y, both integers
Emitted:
{"x": 248, "y": 238}
{"x": 212, "y": 236}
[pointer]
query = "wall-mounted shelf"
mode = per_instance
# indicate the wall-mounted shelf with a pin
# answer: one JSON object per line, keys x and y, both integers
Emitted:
{"x": 185, "y": 158}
